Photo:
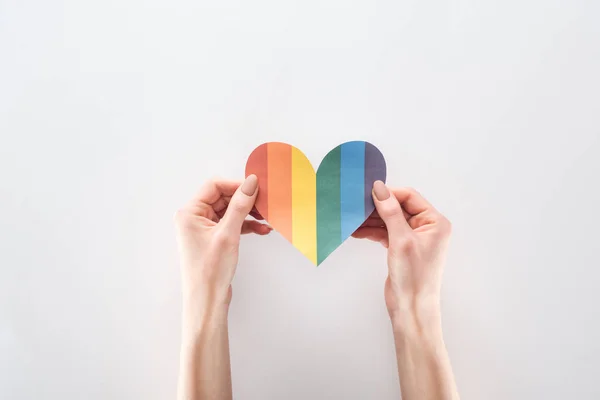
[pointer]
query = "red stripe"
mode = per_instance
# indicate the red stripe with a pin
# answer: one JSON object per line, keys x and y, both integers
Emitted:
{"x": 258, "y": 165}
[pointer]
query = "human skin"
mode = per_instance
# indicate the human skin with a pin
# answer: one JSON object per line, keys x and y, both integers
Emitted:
{"x": 414, "y": 233}
{"x": 208, "y": 234}
{"x": 416, "y": 236}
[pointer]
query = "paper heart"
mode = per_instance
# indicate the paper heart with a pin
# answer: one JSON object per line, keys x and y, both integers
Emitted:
{"x": 316, "y": 212}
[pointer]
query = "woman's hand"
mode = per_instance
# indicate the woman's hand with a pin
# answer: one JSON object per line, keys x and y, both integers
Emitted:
{"x": 416, "y": 236}
{"x": 209, "y": 229}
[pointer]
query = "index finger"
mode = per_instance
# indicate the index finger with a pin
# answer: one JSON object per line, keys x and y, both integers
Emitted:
{"x": 411, "y": 201}
{"x": 212, "y": 191}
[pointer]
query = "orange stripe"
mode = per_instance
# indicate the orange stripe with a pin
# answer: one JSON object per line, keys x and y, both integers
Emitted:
{"x": 279, "y": 158}
{"x": 257, "y": 165}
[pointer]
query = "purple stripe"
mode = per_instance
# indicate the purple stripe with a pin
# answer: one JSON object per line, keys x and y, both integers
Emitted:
{"x": 374, "y": 171}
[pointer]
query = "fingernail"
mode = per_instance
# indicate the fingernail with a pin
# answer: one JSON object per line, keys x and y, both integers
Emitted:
{"x": 249, "y": 185}
{"x": 381, "y": 191}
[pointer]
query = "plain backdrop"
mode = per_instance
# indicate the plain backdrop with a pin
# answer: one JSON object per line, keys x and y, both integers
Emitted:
{"x": 114, "y": 112}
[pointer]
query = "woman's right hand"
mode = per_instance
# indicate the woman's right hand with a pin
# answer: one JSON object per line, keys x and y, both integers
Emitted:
{"x": 416, "y": 236}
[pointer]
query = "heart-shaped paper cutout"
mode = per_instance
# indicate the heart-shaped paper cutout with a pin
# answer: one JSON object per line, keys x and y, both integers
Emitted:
{"x": 316, "y": 212}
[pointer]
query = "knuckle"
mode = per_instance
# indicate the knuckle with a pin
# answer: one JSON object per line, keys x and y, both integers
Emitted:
{"x": 222, "y": 238}
{"x": 391, "y": 212}
{"x": 213, "y": 182}
{"x": 237, "y": 206}
{"x": 445, "y": 226}
{"x": 185, "y": 220}
{"x": 181, "y": 217}
{"x": 404, "y": 245}
{"x": 448, "y": 225}
{"x": 210, "y": 183}
{"x": 412, "y": 191}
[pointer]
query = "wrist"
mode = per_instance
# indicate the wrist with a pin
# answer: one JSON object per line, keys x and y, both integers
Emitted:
{"x": 417, "y": 314}
{"x": 202, "y": 308}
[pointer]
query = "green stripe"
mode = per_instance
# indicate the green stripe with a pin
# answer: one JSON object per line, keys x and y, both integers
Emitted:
{"x": 329, "y": 224}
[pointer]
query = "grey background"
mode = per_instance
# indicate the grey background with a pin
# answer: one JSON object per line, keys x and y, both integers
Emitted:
{"x": 113, "y": 113}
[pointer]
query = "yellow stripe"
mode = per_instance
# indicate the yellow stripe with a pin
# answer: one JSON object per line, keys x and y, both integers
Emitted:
{"x": 304, "y": 205}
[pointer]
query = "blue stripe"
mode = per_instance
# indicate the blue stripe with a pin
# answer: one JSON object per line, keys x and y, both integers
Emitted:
{"x": 352, "y": 186}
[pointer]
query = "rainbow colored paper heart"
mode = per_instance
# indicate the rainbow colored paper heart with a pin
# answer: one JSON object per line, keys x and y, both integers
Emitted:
{"x": 316, "y": 212}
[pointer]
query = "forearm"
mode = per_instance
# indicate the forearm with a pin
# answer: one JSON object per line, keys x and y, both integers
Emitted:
{"x": 423, "y": 363}
{"x": 205, "y": 371}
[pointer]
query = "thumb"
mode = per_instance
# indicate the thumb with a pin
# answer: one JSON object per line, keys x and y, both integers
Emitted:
{"x": 240, "y": 205}
{"x": 389, "y": 210}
